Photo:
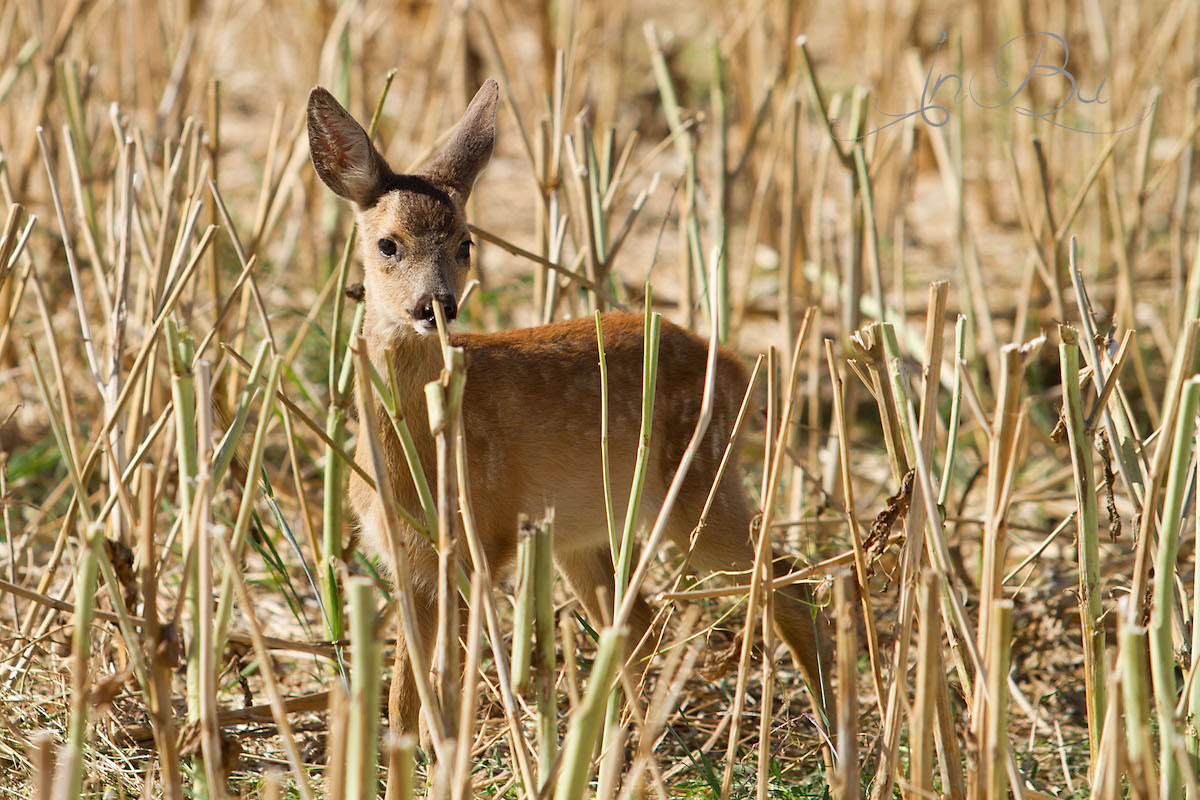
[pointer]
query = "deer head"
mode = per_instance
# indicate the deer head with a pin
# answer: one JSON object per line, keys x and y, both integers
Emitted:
{"x": 412, "y": 230}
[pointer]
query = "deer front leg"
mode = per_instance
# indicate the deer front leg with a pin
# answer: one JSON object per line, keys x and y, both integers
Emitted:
{"x": 404, "y": 702}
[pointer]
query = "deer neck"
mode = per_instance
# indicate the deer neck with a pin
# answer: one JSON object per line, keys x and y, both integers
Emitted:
{"x": 417, "y": 360}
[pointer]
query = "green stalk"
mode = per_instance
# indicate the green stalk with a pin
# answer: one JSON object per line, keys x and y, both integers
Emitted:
{"x": 545, "y": 675}
{"x": 900, "y": 387}
{"x": 331, "y": 521}
{"x": 428, "y": 505}
{"x": 362, "y": 744}
{"x": 623, "y": 560}
{"x": 609, "y": 516}
{"x": 339, "y": 304}
{"x": 409, "y": 446}
{"x": 183, "y": 395}
{"x": 534, "y": 615}
{"x": 999, "y": 661}
{"x": 1193, "y": 704}
{"x": 649, "y": 377}
{"x": 956, "y": 393}
{"x": 228, "y": 446}
{"x": 1134, "y": 697}
{"x": 596, "y": 190}
{"x": 443, "y": 401}
{"x": 241, "y": 527}
{"x": 871, "y": 341}
{"x": 721, "y": 190}
{"x": 12, "y": 73}
{"x": 77, "y": 125}
{"x": 587, "y": 721}
{"x": 335, "y": 472}
{"x": 81, "y": 642}
{"x": 387, "y": 394}
{"x": 865, "y": 199}
{"x": 522, "y": 641}
{"x": 791, "y": 228}
{"x": 685, "y": 147}
{"x": 1088, "y": 538}
{"x": 1162, "y": 656}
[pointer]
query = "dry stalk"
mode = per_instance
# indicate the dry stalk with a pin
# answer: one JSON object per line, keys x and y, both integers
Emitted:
{"x": 846, "y": 779}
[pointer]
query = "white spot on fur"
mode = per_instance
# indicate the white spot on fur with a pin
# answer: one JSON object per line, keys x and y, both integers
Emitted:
{"x": 374, "y": 536}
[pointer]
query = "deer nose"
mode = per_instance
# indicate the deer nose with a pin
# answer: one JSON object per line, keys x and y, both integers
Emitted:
{"x": 424, "y": 309}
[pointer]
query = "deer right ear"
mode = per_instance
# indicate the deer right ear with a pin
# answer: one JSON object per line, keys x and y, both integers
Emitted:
{"x": 342, "y": 152}
{"x": 470, "y": 146}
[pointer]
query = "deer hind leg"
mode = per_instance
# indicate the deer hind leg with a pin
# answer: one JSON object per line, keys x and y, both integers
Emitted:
{"x": 590, "y": 573}
{"x": 725, "y": 545}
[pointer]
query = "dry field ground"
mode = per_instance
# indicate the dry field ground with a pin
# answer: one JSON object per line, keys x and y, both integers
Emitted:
{"x": 973, "y": 265}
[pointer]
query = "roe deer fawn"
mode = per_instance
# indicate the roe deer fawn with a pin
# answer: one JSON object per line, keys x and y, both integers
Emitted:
{"x": 531, "y": 408}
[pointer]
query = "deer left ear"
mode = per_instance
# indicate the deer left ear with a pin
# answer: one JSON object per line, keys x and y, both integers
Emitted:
{"x": 342, "y": 152}
{"x": 470, "y": 146}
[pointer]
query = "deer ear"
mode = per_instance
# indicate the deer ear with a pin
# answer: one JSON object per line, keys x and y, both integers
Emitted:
{"x": 470, "y": 146}
{"x": 342, "y": 152}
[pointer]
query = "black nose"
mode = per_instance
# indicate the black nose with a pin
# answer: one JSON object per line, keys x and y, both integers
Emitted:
{"x": 424, "y": 310}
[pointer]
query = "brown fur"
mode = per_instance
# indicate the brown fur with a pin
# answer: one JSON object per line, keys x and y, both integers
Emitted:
{"x": 531, "y": 408}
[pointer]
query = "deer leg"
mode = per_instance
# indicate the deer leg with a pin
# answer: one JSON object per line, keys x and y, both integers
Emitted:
{"x": 724, "y": 544}
{"x": 404, "y": 703}
{"x": 590, "y": 572}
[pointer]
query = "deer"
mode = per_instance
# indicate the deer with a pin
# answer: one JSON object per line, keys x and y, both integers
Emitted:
{"x": 531, "y": 408}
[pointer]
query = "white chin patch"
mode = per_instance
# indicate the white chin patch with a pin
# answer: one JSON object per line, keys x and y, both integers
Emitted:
{"x": 428, "y": 327}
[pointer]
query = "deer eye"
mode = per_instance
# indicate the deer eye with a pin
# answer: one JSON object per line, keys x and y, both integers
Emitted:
{"x": 387, "y": 248}
{"x": 464, "y": 249}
